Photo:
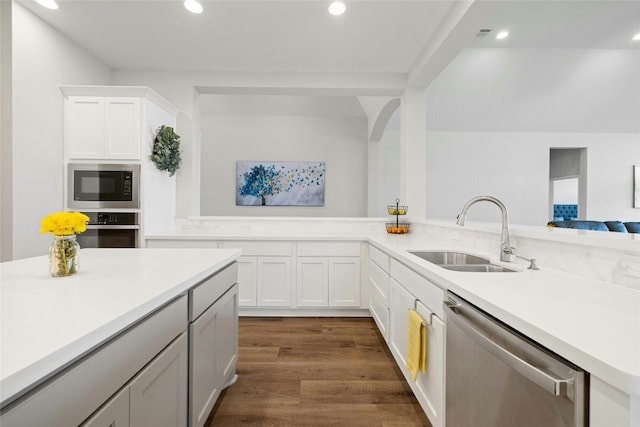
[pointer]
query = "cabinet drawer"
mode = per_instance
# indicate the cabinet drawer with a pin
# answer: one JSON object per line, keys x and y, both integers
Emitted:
{"x": 379, "y": 257}
{"x": 114, "y": 413}
{"x": 328, "y": 249}
{"x": 379, "y": 281}
{"x": 426, "y": 291}
{"x": 256, "y": 248}
{"x": 212, "y": 288}
{"x": 72, "y": 396}
{"x": 380, "y": 314}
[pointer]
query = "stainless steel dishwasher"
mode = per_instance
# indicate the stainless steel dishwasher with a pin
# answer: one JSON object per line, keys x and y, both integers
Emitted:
{"x": 496, "y": 377}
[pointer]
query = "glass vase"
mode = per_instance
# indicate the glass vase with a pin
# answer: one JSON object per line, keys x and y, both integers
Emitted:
{"x": 63, "y": 256}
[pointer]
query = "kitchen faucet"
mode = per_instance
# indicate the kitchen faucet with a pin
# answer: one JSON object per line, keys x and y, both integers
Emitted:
{"x": 506, "y": 251}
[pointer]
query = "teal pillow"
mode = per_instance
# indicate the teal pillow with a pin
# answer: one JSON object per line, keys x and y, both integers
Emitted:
{"x": 632, "y": 227}
{"x": 616, "y": 226}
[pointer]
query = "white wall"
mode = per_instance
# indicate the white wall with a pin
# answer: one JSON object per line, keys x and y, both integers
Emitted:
{"x": 389, "y": 167}
{"x": 43, "y": 59}
{"x": 493, "y": 115}
{"x": 538, "y": 90}
{"x": 340, "y": 142}
{"x": 461, "y": 165}
{"x": 6, "y": 179}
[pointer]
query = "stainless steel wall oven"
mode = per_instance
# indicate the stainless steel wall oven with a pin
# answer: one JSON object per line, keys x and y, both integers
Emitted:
{"x": 110, "y": 230}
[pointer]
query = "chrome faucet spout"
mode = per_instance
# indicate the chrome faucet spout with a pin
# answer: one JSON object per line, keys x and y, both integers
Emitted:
{"x": 506, "y": 251}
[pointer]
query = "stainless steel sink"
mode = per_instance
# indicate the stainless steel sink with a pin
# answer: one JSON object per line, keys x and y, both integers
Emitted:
{"x": 460, "y": 261}
{"x": 449, "y": 258}
{"x": 478, "y": 268}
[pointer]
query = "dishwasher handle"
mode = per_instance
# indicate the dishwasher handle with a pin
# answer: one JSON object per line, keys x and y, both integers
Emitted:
{"x": 548, "y": 382}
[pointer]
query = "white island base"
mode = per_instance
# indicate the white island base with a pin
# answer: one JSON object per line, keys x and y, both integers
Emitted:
{"x": 124, "y": 341}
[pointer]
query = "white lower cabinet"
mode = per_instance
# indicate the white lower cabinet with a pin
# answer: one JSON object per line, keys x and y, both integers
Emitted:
{"x": 328, "y": 281}
{"x": 274, "y": 282}
{"x": 279, "y": 275}
{"x": 213, "y": 352}
{"x": 428, "y": 387}
{"x": 380, "y": 313}
{"x": 115, "y": 413}
{"x": 312, "y": 282}
{"x": 264, "y": 272}
{"x": 247, "y": 278}
{"x": 158, "y": 394}
{"x": 344, "y": 281}
{"x": 379, "y": 289}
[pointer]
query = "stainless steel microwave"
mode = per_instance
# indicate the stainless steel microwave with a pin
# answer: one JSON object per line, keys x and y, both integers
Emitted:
{"x": 98, "y": 186}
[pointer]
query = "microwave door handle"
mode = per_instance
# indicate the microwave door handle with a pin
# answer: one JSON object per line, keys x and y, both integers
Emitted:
{"x": 548, "y": 382}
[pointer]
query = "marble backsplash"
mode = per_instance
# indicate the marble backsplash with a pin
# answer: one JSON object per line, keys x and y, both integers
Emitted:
{"x": 611, "y": 257}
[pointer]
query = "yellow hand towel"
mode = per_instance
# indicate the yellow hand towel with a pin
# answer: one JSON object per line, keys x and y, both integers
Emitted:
{"x": 417, "y": 348}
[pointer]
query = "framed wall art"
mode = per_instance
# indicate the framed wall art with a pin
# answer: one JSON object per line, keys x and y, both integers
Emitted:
{"x": 280, "y": 183}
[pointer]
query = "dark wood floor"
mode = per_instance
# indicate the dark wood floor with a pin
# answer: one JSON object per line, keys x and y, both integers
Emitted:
{"x": 316, "y": 372}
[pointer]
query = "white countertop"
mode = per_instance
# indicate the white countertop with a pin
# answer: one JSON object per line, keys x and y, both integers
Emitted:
{"x": 48, "y": 323}
{"x": 594, "y": 324}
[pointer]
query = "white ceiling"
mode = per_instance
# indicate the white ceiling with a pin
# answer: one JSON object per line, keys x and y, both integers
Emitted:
{"x": 373, "y": 36}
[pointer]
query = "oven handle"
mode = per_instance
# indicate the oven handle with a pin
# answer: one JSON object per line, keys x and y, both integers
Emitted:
{"x": 549, "y": 383}
{"x": 113, "y": 227}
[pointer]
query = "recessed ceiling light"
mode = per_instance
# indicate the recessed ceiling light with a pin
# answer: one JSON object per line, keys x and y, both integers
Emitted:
{"x": 636, "y": 37}
{"x": 49, "y": 4}
{"x": 502, "y": 35}
{"x": 193, "y": 6}
{"x": 337, "y": 8}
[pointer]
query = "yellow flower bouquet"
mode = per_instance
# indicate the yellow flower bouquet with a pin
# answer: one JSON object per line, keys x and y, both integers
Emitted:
{"x": 63, "y": 253}
{"x": 64, "y": 223}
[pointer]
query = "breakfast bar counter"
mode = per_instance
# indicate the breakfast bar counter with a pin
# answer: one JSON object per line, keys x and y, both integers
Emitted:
{"x": 48, "y": 324}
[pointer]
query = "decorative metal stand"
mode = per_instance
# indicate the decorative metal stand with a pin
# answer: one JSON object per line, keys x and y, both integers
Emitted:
{"x": 397, "y": 227}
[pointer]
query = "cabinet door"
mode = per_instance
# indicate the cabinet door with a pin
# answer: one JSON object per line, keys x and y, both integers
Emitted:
{"x": 344, "y": 281}
{"x": 202, "y": 366}
{"x": 227, "y": 338}
{"x": 430, "y": 386}
{"x": 158, "y": 395}
{"x": 274, "y": 281}
{"x": 312, "y": 282}
{"x": 379, "y": 280}
{"x": 247, "y": 273}
{"x": 400, "y": 302}
{"x": 213, "y": 355}
{"x": 115, "y": 413}
{"x": 84, "y": 127}
{"x": 122, "y": 128}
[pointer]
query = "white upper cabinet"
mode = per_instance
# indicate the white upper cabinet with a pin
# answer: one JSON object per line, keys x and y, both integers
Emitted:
{"x": 103, "y": 127}
{"x": 123, "y": 128}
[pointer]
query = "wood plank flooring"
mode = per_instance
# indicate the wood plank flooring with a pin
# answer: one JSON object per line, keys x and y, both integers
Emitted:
{"x": 315, "y": 372}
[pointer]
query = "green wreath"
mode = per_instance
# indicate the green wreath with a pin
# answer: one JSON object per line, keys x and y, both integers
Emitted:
{"x": 166, "y": 150}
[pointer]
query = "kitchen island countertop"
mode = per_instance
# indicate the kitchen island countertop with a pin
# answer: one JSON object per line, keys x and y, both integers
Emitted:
{"x": 49, "y": 323}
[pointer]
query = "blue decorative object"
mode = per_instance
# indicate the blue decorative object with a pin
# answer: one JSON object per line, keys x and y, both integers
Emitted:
{"x": 565, "y": 212}
{"x": 615, "y": 226}
{"x": 632, "y": 227}
{"x": 280, "y": 183}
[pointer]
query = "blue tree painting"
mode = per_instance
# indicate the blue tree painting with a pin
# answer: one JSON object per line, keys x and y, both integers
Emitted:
{"x": 280, "y": 183}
